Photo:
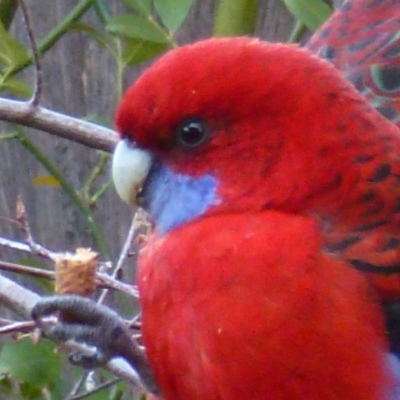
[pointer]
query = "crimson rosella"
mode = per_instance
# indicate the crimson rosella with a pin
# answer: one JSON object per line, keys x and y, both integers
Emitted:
{"x": 274, "y": 188}
{"x": 253, "y": 177}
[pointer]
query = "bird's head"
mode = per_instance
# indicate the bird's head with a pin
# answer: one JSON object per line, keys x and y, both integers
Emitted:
{"x": 227, "y": 125}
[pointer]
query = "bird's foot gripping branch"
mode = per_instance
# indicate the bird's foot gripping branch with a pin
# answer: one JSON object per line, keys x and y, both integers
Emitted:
{"x": 104, "y": 334}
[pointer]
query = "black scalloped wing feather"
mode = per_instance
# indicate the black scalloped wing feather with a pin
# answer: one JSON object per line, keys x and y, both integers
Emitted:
{"x": 362, "y": 39}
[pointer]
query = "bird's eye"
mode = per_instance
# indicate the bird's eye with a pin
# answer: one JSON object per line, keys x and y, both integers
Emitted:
{"x": 192, "y": 133}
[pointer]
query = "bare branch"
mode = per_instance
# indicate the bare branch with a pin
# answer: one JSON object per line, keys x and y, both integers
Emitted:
{"x": 125, "y": 249}
{"x": 16, "y": 297}
{"x": 22, "y": 218}
{"x": 34, "y": 101}
{"x": 107, "y": 281}
{"x": 27, "y": 248}
{"x": 97, "y": 389}
{"x": 22, "y": 269}
{"x": 17, "y": 327}
{"x": 86, "y": 133}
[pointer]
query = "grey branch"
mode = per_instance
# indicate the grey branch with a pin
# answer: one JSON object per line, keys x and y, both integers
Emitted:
{"x": 21, "y": 300}
{"x": 27, "y": 248}
{"x": 16, "y": 297}
{"x": 77, "y": 130}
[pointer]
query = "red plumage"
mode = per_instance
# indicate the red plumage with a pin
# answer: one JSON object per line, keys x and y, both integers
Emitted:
{"x": 254, "y": 310}
{"x": 257, "y": 298}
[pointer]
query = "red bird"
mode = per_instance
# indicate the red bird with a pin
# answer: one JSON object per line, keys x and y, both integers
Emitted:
{"x": 262, "y": 183}
{"x": 274, "y": 188}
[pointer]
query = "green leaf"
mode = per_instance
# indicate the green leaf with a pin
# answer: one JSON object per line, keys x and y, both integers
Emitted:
{"x": 7, "y": 11}
{"x": 30, "y": 392}
{"x": 102, "y": 10}
{"x": 133, "y": 26}
{"x": 11, "y": 52}
{"x": 141, "y": 6}
{"x": 5, "y": 384}
{"x": 137, "y": 51}
{"x": 35, "y": 364}
{"x": 172, "y": 12}
{"x": 16, "y": 87}
{"x": 312, "y": 13}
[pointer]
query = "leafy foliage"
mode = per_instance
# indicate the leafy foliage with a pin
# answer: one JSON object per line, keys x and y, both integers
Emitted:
{"x": 312, "y": 13}
{"x": 32, "y": 368}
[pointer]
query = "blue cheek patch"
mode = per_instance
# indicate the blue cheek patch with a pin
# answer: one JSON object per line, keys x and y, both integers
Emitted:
{"x": 173, "y": 199}
{"x": 393, "y": 362}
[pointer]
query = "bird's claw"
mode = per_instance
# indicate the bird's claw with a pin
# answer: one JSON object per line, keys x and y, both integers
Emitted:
{"x": 102, "y": 331}
{"x": 98, "y": 330}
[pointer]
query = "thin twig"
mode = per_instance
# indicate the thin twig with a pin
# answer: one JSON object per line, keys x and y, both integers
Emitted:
{"x": 52, "y": 37}
{"x": 38, "y": 249}
{"x": 34, "y": 101}
{"x": 80, "y": 383}
{"x": 18, "y": 327}
{"x": 22, "y": 218}
{"x": 9, "y": 220}
{"x": 97, "y": 389}
{"x": 22, "y": 269}
{"x": 135, "y": 225}
{"x": 95, "y": 230}
{"x": 125, "y": 249}
{"x": 124, "y": 252}
{"x": 107, "y": 281}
